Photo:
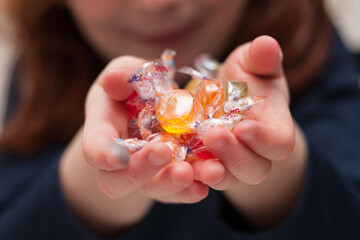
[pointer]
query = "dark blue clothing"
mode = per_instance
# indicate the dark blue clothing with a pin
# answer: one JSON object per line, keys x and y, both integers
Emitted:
{"x": 32, "y": 204}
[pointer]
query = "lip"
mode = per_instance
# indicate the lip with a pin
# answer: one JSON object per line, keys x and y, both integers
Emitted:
{"x": 168, "y": 38}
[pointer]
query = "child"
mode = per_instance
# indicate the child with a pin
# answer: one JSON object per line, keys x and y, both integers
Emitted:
{"x": 283, "y": 173}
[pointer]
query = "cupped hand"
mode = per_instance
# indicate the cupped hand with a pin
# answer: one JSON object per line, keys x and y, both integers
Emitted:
{"x": 246, "y": 154}
{"x": 150, "y": 170}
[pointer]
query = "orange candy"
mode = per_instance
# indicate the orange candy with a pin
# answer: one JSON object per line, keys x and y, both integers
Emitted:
{"x": 178, "y": 112}
{"x": 210, "y": 94}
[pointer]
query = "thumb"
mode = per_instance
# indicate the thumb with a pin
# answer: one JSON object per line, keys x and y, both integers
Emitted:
{"x": 261, "y": 57}
{"x": 114, "y": 78}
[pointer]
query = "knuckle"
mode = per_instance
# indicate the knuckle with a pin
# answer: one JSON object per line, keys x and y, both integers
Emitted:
{"x": 86, "y": 152}
{"x": 134, "y": 179}
{"x": 103, "y": 162}
{"x": 287, "y": 142}
{"x": 281, "y": 144}
{"x": 93, "y": 155}
{"x": 188, "y": 198}
{"x": 170, "y": 190}
{"x": 157, "y": 193}
{"x": 105, "y": 188}
{"x": 94, "y": 158}
{"x": 236, "y": 163}
{"x": 100, "y": 161}
{"x": 223, "y": 185}
{"x": 261, "y": 175}
{"x": 145, "y": 190}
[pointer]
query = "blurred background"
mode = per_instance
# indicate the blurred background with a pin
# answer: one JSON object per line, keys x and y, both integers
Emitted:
{"x": 345, "y": 15}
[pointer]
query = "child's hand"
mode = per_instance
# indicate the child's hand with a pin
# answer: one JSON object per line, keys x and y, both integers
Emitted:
{"x": 149, "y": 170}
{"x": 267, "y": 134}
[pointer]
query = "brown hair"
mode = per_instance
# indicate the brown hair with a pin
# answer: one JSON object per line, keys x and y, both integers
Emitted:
{"x": 58, "y": 66}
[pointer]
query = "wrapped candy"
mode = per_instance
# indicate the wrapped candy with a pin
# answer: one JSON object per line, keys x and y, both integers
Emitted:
{"x": 178, "y": 148}
{"x": 131, "y": 144}
{"x": 207, "y": 65}
{"x": 208, "y": 68}
{"x": 147, "y": 122}
{"x": 210, "y": 94}
{"x": 179, "y": 117}
{"x": 178, "y": 112}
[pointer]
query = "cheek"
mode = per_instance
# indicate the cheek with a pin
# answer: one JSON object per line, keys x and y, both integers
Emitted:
{"x": 91, "y": 11}
{"x": 94, "y": 19}
{"x": 99, "y": 22}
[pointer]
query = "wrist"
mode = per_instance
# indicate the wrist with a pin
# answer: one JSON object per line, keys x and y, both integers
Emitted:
{"x": 265, "y": 205}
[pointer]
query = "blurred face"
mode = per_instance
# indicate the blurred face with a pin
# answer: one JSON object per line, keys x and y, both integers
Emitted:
{"x": 145, "y": 28}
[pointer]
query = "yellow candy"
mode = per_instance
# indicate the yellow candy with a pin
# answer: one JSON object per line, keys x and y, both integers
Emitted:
{"x": 178, "y": 112}
{"x": 235, "y": 90}
{"x": 192, "y": 85}
{"x": 210, "y": 94}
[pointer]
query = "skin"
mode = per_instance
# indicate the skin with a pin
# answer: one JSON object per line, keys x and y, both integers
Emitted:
{"x": 263, "y": 158}
{"x": 145, "y": 28}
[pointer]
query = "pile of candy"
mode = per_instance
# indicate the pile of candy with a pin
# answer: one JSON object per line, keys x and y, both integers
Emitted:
{"x": 180, "y": 117}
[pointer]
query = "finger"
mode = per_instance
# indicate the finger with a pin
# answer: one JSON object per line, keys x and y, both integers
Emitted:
{"x": 273, "y": 143}
{"x": 261, "y": 57}
{"x": 209, "y": 172}
{"x": 214, "y": 174}
{"x": 243, "y": 164}
{"x": 143, "y": 165}
{"x": 105, "y": 120}
{"x": 114, "y": 80}
{"x": 253, "y": 63}
{"x": 196, "y": 192}
{"x": 169, "y": 181}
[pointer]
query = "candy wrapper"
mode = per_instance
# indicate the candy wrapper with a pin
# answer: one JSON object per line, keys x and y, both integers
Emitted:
{"x": 181, "y": 117}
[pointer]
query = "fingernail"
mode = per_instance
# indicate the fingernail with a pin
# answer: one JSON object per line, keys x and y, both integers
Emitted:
{"x": 156, "y": 159}
{"x": 120, "y": 152}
